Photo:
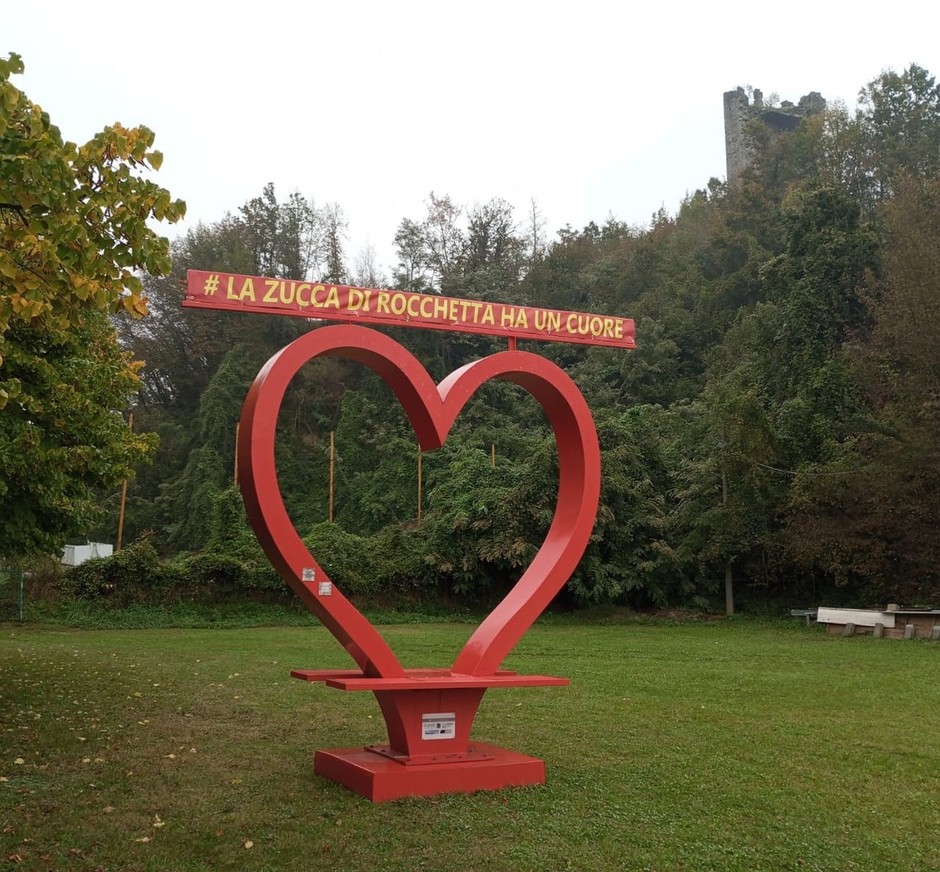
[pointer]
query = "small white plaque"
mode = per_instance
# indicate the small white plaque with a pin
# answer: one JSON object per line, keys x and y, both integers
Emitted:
{"x": 439, "y": 725}
{"x": 325, "y": 588}
{"x": 308, "y": 574}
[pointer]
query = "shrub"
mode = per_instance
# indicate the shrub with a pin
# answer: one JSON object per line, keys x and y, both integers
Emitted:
{"x": 260, "y": 578}
{"x": 347, "y": 558}
{"x": 211, "y": 577}
{"x": 401, "y": 562}
{"x": 133, "y": 575}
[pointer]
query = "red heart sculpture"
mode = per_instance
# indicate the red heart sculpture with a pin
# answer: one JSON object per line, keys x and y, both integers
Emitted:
{"x": 431, "y": 410}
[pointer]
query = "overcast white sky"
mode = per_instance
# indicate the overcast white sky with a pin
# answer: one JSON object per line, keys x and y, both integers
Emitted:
{"x": 592, "y": 108}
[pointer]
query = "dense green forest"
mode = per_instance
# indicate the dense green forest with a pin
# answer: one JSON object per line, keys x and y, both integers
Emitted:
{"x": 775, "y": 437}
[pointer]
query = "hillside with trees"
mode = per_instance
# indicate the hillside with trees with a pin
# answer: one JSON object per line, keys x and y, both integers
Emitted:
{"x": 775, "y": 438}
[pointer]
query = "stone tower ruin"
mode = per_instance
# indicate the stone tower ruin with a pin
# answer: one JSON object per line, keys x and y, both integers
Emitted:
{"x": 740, "y": 115}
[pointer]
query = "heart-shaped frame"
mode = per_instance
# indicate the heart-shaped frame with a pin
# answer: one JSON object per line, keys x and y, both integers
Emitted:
{"x": 432, "y": 410}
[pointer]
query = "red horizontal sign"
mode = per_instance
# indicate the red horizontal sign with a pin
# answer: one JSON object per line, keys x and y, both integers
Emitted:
{"x": 329, "y": 302}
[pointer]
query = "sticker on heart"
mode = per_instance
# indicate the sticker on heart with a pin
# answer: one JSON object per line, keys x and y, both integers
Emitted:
{"x": 432, "y": 410}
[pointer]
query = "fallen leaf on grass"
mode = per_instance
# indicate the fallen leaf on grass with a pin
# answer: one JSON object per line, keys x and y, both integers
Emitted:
{"x": 157, "y": 822}
{"x": 19, "y": 761}
{"x": 248, "y": 843}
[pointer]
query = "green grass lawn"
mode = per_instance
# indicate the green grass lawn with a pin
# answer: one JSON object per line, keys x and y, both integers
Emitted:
{"x": 731, "y": 745}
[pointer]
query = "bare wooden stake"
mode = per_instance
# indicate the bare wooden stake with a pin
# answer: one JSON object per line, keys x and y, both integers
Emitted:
{"x": 235, "y": 473}
{"x": 332, "y": 470}
{"x": 120, "y": 535}
{"x": 729, "y": 572}
{"x": 419, "y": 483}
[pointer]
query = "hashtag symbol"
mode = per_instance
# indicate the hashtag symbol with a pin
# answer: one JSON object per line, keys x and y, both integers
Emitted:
{"x": 211, "y": 285}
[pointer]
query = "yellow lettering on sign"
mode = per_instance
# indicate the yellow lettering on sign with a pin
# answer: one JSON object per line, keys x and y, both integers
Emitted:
{"x": 247, "y": 291}
{"x": 512, "y": 318}
{"x": 430, "y": 310}
{"x": 547, "y": 321}
{"x": 399, "y": 304}
{"x": 358, "y": 300}
{"x": 283, "y": 292}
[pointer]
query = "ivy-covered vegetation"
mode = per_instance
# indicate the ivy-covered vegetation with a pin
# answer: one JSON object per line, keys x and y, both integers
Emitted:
{"x": 774, "y": 438}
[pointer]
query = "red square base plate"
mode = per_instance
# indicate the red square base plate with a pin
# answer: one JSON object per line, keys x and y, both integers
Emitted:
{"x": 380, "y": 778}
